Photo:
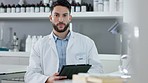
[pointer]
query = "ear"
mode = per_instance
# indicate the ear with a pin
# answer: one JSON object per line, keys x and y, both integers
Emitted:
{"x": 50, "y": 18}
{"x": 70, "y": 17}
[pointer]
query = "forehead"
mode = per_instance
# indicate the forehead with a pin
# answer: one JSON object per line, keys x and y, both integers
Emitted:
{"x": 60, "y": 9}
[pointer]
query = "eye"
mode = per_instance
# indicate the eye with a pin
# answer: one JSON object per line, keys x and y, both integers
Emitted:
{"x": 56, "y": 15}
{"x": 65, "y": 15}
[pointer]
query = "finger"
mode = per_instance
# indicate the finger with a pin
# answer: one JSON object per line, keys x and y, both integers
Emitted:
{"x": 56, "y": 74}
{"x": 63, "y": 77}
{"x": 60, "y": 77}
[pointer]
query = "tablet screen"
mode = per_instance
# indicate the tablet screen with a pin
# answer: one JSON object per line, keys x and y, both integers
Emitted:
{"x": 69, "y": 70}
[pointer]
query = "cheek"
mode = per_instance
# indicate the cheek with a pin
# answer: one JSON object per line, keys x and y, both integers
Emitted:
{"x": 54, "y": 21}
{"x": 67, "y": 20}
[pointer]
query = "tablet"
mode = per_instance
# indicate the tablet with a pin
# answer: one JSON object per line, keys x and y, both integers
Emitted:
{"x": 69, "y": 70}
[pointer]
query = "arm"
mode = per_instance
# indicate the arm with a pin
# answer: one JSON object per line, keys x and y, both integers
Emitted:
{"x": 34, "y": 72}
{"x": 94, "y": 60}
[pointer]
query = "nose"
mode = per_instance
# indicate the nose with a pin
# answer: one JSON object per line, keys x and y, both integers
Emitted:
{"x": 61, "y": 19}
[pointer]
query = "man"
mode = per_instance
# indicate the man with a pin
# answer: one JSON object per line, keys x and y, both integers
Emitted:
{"x": 61, "y": 47}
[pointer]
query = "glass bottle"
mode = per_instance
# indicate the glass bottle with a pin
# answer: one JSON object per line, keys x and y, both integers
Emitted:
{"x": 47, "y": 8}
{"x": 13, "y": 43}
{"x": 90, "y": 7}
{"x": 78, "y": 7}
{"x": 106, "y": 5}
{"x": 28, "y": 44}
{"x": 73, "y": 4}
{"x": 83, "y": 7}
{"x": 37, "y": 8}
{"x": 16, "y": 45}
{"x": 95, "y": 5}
{"x": 28, "y": 8}
{"x": 18, "y": 8}
{"x": 2, "y": 8}
{"x": 32, "y": 8}
{"x": 119, "y": 5}
{"x": 13, "y": 10}
{"x": 9, "y": 8}
{"x": 112, "y": 5}
{"x": 23, "y": 8}
{"x": 42, "y": 7}
{"x": 100, "y": 6}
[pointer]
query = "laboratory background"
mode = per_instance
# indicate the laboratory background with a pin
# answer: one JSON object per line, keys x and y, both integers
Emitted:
{"x": 112, "y": 24}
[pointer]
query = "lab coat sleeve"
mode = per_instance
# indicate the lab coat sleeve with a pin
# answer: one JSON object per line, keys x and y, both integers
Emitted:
{"x": 94, "y": 60}
{"x": 34, "y": 73}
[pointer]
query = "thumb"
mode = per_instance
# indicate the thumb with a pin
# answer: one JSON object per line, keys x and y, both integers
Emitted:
{"x": 56, "y": 74}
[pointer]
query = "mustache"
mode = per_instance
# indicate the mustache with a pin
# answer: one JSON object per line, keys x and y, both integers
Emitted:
{"x": 61, "y": 23}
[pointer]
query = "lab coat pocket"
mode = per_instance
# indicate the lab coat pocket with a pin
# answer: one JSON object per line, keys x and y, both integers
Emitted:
{"x": 80, "y": 59}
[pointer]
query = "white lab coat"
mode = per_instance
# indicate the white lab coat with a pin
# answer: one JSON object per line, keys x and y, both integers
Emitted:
{"x": 44, "y": 61}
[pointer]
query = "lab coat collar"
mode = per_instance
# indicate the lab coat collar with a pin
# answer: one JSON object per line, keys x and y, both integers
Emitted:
{"x": 70, "y": 41}
{"x": 67, "y": 37}
{"x": 71, "y": 35}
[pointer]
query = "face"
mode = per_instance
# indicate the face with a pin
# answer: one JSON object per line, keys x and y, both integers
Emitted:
{"x": 60, "y": 18}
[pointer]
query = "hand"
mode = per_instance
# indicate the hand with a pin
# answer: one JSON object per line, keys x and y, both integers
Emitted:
{"x": 55, "y": 77}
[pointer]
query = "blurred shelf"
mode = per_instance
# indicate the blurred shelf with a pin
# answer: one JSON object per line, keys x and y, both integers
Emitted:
{"x": 97, "y": 15}
{"x": 14, "y": 54}
{"x": 76, "y": 15}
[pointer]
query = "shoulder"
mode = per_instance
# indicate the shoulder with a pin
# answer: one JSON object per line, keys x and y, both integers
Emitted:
{"x": 43, "y": 40}
{"x": 83, "y": 38}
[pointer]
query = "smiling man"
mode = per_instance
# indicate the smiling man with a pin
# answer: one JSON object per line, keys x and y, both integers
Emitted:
{"x": 61, "y": 47}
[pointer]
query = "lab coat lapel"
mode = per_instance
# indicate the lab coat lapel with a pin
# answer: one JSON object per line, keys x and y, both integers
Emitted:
{"x": 52, "y": 43}
{"x": 71, "y": 40}
{"x": 69, "y": 55}
{"x": 53, "y": 53}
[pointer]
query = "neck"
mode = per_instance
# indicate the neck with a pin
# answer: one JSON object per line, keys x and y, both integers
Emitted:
{"x": 61, "y": 35}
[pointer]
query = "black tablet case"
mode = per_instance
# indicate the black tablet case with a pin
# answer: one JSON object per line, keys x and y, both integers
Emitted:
{"x": 69, "y": 70}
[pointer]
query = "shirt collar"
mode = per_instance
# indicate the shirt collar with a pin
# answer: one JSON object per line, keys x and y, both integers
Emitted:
{"x": 57, "y": 38}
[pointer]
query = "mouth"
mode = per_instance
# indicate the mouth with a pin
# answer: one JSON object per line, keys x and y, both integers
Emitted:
{"x": 61, "y": 25}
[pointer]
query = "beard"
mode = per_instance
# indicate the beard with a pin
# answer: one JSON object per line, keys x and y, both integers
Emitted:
{"x": 58, "y": 30}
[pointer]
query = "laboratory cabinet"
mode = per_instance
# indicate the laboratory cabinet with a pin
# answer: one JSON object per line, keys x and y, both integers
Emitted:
{"x": 14, "y": 58}
{"x": 9, "y": 60}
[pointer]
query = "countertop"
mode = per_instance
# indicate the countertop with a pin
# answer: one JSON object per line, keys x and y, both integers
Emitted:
{"x": 26, "y": 54}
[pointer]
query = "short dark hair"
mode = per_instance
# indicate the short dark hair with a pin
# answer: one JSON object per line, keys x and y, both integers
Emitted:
{"x": 64, "y": 3}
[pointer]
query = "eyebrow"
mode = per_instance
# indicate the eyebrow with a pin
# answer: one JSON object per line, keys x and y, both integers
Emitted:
{"x": 63, "y": 14}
